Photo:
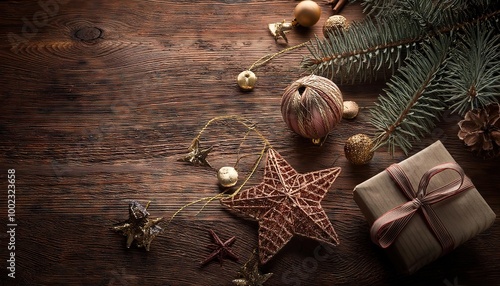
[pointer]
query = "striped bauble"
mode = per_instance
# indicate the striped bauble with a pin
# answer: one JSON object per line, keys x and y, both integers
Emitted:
{"x": 312, "y": 106}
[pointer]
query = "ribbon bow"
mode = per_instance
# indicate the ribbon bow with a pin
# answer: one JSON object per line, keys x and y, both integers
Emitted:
{"x": 386, "y": 228}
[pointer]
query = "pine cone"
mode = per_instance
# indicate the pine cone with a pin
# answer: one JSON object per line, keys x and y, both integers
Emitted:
{"x": 480, "y": 130}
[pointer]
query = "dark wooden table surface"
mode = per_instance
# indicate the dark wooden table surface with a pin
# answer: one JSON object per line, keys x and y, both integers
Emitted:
{"x": 100, "y": 98}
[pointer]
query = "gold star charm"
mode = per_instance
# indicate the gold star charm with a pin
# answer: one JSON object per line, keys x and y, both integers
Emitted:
{"x": 285, "y": 204}
{"x": 249, "y": 273}
{"x": 139, "y": 226}
{"x": 279, "y": 30}
{"x": 197, "y": 156}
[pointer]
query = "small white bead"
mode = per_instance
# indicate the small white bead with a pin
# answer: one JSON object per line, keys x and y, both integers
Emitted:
{"x": 227, "y": 176}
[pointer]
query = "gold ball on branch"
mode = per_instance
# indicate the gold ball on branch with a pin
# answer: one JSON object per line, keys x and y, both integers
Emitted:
{"x": 227, "y": 176}
{"x": 351, "y": 110}
{"x": 246, "y": 80}
{"x": 358, "y": 149}
{"x": 307, "y": 13}
{"x": 312, "y": 106}
{"x": 335, "y": 22}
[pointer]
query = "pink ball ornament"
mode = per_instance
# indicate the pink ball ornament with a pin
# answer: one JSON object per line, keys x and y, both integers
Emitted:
{"x": 312, "y": 106}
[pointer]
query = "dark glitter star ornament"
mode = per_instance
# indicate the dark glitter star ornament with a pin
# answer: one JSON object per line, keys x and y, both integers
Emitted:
{"x": 139, "y": 227}
{"x": 220, "y": 249}
{"x": 285, "y": 204}
{"x": 250, "y": 275}
{"x": 197, "y": 156}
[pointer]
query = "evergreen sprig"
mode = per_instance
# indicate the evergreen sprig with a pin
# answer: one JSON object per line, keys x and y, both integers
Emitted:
{"x": 377, "y": 8}
{"x": 379, "y": 44}
{"x": 380, "y": 8}
{"x": 412, "y": 103}
{"x": 358, "y": 53}
{"x": 443, "y": 54}
{"x": 473, "y": 73}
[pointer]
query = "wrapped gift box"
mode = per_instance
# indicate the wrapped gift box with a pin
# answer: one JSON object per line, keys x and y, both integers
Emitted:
{"x": 463, "y": 216}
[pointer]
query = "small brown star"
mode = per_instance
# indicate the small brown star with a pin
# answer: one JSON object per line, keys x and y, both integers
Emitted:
{"x": 285, "y": 204}
{"x": 139, "y": 226}
{"x": 197, "y": 156}
{"x": 220, "y": 250}
{"x": 249, "y": 273}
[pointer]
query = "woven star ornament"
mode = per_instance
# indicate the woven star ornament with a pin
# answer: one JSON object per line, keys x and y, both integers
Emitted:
{"x": 285, "y": 204}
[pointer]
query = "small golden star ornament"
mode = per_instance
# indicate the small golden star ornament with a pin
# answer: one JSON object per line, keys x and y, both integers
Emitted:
{"x": 139, "y": 227}
{"x": 249, "y": 273}
{"x": 307, "y": 13}
{"x": 196, "y": 155}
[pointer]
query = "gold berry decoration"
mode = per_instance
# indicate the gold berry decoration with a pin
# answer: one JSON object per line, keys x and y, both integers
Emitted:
{"x": 358, "y": 149}
{"x": 312, "y": 106}
{"x": 351, "y": 110}
{"x": 246, "y": 80}
{"x": 307, "y": 13}
{"x": 333, "y": 23}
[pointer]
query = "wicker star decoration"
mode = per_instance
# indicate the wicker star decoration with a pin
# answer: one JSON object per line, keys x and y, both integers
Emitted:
{"x": 220, "y": 249}
{"x": 285, "y": 204}
{"x": 139, "y": 226}
{"x": 197, "y": 156}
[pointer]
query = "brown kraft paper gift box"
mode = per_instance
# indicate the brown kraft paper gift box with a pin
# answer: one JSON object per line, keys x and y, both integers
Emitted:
{"x": 464, "y": 215}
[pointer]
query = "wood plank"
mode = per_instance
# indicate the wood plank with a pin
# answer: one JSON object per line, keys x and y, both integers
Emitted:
{"x": 100, "y": 102}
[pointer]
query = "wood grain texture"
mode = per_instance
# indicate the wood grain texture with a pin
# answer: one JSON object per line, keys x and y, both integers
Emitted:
{"x": 102, "y": 99}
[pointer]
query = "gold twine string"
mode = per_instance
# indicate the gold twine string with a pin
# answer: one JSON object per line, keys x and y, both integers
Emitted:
{"x": 265, "y": 59}
{"x": 250, "y": 128}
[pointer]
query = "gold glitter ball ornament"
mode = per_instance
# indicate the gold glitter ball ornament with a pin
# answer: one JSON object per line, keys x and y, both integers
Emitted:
{"x": 358, "y": 149}
{"x": 307, "y": 13}
{"x": 246, "y": 80}
{"x": 351, "y": 110}
{"x": 227, "y": 176}
{"x": 335, "y": 22}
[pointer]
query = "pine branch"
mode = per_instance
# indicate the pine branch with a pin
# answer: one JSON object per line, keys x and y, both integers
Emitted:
{"x": 377, "y": 8}
{"x": 431, "y": 15}
{"x": 381, "y": 8}
{"x": 440, "y": 69}
{"x": 358, "y": 53}
{"x": 473, "y": 79}
{"x": 361, "y": 52}
{"x": 412, "y": 102}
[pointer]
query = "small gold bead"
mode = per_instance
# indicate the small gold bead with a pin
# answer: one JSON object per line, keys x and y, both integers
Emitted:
{"x": 351, "y": 110}
{"x": 247, "y": 80}
{"x": 316, "y": 141}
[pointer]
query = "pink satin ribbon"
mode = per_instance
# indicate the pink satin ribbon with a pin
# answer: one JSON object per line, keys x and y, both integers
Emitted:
{"x": 387, "y": 228}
